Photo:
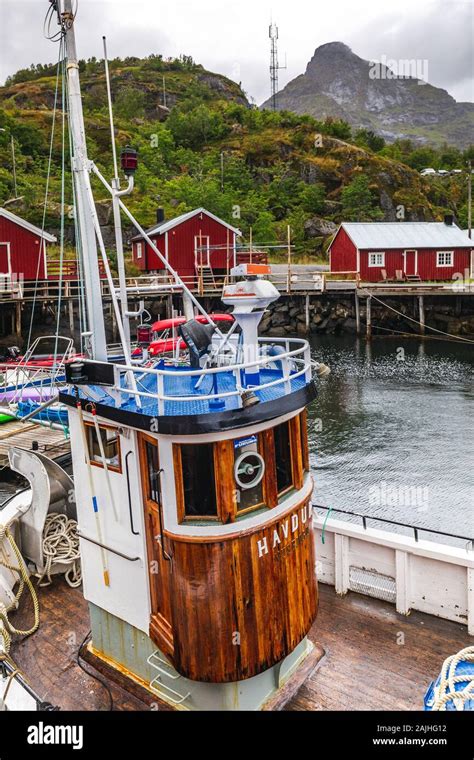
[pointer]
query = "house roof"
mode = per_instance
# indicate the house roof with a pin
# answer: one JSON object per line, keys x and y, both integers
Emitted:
{"x": 163, "y": 227}
{"x": 27, "y": 225}
{"x": 384, "y": 235}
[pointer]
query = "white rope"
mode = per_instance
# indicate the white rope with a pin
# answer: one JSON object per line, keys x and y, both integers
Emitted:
{"x": 416, "y": 321}
{"x": 445, "y": 691}
{"x": 60, "y": 547}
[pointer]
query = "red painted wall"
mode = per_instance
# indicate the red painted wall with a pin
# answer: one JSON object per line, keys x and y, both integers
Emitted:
{"x": 25, "y": 250}
{"x": 181, "y": 246}
{"x": 343, "y": 253}
{"x": 427, "y": 268}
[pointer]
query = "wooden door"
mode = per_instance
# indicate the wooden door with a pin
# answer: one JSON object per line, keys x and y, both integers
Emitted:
{"x": 159, "y": 559}
{"x": 410, "y": 263}
{"x": 202, "y": 251}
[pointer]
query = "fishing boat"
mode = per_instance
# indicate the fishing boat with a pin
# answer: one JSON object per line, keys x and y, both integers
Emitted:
{"x": 193, "y": 513}
{"x": 179, "y": 563}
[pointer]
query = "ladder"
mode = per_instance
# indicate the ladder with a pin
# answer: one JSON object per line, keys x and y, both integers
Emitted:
{"x": 205, "y": 276}
{"x": 165, "y": 671}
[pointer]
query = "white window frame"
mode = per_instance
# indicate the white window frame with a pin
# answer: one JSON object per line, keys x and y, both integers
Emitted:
{"x": 139, "y": 250}
{"x": 376, "y": 263}
{"x": 9, "y": 260}
{"x": 444, "y": 253}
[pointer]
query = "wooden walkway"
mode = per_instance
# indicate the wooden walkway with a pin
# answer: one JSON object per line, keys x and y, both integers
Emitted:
{"x": 28, "y": 435}
{"x": 374, "y": 658}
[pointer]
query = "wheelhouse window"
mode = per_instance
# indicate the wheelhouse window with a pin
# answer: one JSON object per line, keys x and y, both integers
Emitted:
{"x": 152, "y": 466}
{"x": 444, "y": 259}
{"x": 109, "y": 445}
{"x": 284, "y": 474}
{"x": 376, "y": 259}
{"x": 198, "y": 479}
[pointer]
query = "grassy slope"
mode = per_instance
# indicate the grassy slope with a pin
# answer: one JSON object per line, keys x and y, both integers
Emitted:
{"x": 269, "y": 158}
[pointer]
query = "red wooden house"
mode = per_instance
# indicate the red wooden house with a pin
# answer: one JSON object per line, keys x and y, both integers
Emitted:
{"x": 22, "y": 248}
{"x": 426, "y": 251}
{"x": 196, "y": 243}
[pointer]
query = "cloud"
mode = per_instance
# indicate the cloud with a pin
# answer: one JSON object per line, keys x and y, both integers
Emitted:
{"x": 231, "y": 36}
{"x": 440, "y": 33}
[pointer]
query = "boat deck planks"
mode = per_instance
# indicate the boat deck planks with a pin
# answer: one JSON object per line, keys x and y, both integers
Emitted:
{"x": 364, "y": 666}
{"x": 17, "y": 433}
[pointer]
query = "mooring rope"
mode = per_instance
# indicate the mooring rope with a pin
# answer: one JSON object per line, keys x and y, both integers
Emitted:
{"x": 60, "y": 547}
{"x": 445, "y": 692}
{"x": 6, "y": 628}
{"x": 416, "y": 321}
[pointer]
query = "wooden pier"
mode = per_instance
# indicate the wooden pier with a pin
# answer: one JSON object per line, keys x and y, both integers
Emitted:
{"x": 28, "y": 435}
{"x": 305, "y": 281}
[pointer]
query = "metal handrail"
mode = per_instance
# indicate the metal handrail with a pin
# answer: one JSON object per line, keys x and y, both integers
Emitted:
{"x": 288, "y": 355}
{"x": 107, "y": 548}
{"x": 415, "y": 528}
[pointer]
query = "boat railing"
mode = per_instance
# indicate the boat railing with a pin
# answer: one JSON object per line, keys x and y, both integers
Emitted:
{"x": 416, "y": 529}
{"x": 293, "y": 362}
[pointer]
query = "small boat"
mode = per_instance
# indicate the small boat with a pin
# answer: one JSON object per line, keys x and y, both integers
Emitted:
{"x": 165, "y": 340}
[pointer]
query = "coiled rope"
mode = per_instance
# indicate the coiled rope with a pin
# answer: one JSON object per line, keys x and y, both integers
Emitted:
{"x": 60, "y": 546}
{"x": 6, "y": 628}
{"x": 445, "y": 691}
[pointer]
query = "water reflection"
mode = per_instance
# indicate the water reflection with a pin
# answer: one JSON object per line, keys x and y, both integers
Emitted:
{"x": 396, "y": 438}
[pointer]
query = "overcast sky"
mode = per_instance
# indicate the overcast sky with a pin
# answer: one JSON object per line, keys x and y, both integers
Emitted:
{"x": 231, "y": 36}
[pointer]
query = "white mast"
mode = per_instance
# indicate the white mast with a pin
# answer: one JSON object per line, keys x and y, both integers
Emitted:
{"x": 81, "y": 169}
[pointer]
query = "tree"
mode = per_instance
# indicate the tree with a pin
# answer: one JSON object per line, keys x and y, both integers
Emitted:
{"x": 196, "y": 127}
{"x": 368, "y": 139}
{"x": 334, "y": 127}
{"x": 130, "y": 102}
{"x": 313, "y": 198}
{"x": 263, "y": 229}
{"x": 358, "y": 201}
{"x": 422, "y": 158}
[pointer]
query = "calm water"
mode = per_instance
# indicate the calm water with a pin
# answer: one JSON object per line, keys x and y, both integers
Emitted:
{"x": 396, "y": 437}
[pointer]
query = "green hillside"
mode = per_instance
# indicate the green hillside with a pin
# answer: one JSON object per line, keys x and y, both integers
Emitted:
{"x": 276, "y": 170}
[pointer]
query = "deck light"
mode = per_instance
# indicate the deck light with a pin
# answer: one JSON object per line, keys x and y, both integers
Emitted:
{"x": 128, "y": 160}
{"x": 249, "y": 399}
{"x": 144, "y": 335}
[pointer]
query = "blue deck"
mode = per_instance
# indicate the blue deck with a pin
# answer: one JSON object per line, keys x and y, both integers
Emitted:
{"x": 182, "y": 384}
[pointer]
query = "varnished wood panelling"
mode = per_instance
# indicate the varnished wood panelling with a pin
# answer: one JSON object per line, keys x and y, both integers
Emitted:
{"x": 304, "y": 439}
{"x": 225, "y": 483}
{"x": 266, "y": 447}
{"x": 255, "y": 596}
{"x": 296, "y": 454}
{"x": 158, "y": 566}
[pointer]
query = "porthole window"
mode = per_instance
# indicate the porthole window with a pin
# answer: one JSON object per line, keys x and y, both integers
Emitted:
{"x": 249, "y": 470}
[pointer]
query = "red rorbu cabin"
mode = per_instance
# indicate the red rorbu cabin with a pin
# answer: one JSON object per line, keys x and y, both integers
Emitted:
{"x": 22, "y": 248}
{"x": 397, "y": 251}
{"x": 195, "y": 244}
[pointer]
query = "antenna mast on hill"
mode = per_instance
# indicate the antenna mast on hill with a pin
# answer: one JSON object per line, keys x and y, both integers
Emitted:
{"x": 274, "y": 65}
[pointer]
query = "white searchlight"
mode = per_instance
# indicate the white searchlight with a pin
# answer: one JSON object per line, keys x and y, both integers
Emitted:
{"x": 250, "y": 297}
